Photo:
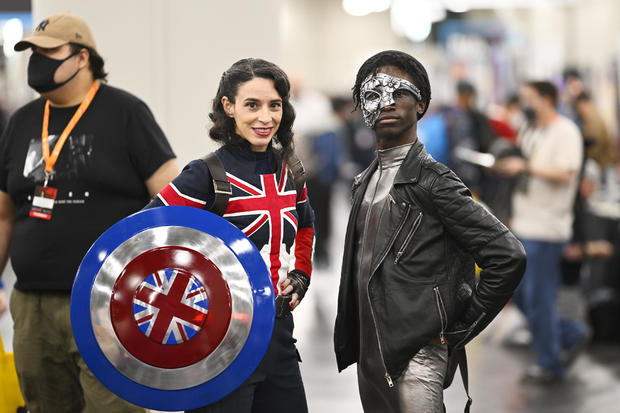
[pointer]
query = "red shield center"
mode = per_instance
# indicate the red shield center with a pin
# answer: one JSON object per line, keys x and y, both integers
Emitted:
{"x": 170, "y": 307}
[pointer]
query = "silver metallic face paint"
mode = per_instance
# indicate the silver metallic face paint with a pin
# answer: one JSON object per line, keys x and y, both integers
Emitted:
{"x": 377, "y": 92}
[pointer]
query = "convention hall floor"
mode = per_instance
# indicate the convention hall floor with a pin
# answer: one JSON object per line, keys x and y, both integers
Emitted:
{"x": 496, "y": 361}
{"x": 496, "y": 368}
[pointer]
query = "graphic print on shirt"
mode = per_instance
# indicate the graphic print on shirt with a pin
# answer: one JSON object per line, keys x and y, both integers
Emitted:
{"x": 74, "y": 157}
{"x": 71, "y": 165}
{"x": 269, "y": 209}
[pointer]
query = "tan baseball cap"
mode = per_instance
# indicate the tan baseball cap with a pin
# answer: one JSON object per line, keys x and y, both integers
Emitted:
{"x": 57, "y": 30}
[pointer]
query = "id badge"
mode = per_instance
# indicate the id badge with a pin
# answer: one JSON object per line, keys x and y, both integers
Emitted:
{"x": 43, "y": 202}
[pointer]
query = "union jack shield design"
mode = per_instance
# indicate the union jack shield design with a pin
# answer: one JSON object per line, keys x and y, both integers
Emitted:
{"x": 171, "y": 288}
{"x": 172, "y": 308}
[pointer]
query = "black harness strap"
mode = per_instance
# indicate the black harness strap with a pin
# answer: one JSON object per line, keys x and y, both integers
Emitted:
{"x": 457, "y": 358}
{"x": 462, "y": 360}
{"x": 223, "y": 190}
{"x": 299, "y": 173}
{"x": 222, "y": 187}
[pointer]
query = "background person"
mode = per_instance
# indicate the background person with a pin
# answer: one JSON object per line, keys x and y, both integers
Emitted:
{"x": 114, "y": 159}
{"x": 542, "y": 219}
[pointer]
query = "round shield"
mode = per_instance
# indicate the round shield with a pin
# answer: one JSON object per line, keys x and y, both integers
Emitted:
{"x": 172, "y": 308}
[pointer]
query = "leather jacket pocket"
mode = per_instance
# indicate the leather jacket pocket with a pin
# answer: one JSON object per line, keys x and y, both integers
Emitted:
{"x": 443, "y": 317}
{"x": 461, "y": 335}
{"x": 408, "y": 237}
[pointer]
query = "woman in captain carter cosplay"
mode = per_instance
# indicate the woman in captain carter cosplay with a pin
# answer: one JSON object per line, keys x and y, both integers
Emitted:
{"x": 252, "y": 119}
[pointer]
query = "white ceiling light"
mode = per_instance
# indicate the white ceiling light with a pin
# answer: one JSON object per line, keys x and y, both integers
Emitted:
{"x": 412, "y": 19}
{"x": 357, "y": 7}
{"x": 381, "y": 5}
{"x": 363, "y": 7}
{"x": 12, "y": 32}
{"x": 438, "y": 13}
{"x": 457, "y": 6}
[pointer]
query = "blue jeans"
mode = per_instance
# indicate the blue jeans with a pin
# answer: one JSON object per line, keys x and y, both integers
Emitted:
{"x": 536, "y": 298}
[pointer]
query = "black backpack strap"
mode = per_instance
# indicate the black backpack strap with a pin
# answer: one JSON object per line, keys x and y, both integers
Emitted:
{"x": 462, "y": 360}
{"x": 458, "y": 358}
{"x": 221, "y": 186}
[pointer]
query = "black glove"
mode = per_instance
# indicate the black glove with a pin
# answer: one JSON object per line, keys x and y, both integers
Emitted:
{"x": 299, "y": 281}
{"x": 283, "y": 305}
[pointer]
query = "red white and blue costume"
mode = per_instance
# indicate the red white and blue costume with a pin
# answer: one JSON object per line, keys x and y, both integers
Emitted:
{"x": 264, "y": 205}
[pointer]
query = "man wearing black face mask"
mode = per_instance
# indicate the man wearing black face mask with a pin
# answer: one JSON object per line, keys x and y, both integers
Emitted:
{"x": 530, "y": 114}
{"x": 542, "y": 219}
{"x": 72, "y": 162}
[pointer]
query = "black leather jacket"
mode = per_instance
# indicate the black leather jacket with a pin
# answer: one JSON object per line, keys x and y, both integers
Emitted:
{"x": 423, "y": 285}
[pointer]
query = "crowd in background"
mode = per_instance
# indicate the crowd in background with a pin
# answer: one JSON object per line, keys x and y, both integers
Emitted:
{"x": 472, "y": 140}
{"x": 336, "y": 146}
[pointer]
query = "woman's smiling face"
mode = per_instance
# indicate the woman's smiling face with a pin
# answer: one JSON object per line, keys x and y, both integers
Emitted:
{"x": 257, "y": 111}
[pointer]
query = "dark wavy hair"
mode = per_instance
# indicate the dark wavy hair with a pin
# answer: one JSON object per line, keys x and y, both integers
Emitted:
{"x": 95, "y": 60}
{"x": 223, "y": 129}
{"x": 402, "y": 61}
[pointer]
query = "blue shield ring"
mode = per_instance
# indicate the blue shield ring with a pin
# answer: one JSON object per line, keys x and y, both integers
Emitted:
{"x": 172, "y": 308}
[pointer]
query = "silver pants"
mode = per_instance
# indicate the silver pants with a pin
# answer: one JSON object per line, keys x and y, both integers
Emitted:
{"x": 420, "y": 388}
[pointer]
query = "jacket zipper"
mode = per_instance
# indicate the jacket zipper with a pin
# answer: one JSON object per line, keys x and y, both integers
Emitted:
{"x": 372, "y": 312}
{"x": 409, "y": 236}
{"x": 475, "y": 323}
{"x": 387, "y": 249}
{"x": 470, "y": 329}
{"x": 387, "y": 376}
{"x": 442, "y": 311}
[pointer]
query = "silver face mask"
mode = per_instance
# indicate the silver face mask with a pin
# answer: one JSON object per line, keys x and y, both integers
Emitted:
{"x": 377, "y": 92}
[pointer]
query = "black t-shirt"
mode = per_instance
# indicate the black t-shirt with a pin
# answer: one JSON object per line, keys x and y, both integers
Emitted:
{"x": 100, "y": 176}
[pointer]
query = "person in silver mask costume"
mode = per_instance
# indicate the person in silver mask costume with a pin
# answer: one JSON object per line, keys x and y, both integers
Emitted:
{"x": 378, "y": 91}
{"x": 408, "y": 299}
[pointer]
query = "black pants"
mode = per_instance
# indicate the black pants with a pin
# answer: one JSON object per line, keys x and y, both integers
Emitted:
{"x": 275, "y": 386}
{"x": 321, "y": 200}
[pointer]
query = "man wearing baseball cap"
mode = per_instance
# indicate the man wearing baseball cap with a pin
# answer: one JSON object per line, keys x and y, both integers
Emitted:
{"x": 72, "y": 162}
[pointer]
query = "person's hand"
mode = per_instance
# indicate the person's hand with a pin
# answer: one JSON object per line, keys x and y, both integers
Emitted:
{"x": 296, "y": 284}
{"x": 599, "y": 249}
{"x": 511, "y": 166}
{"x": 288, "y": 289}
{"x": 573, "y": 252}
{"x": 3, "y": 303}
{"x": 587, "y": 187}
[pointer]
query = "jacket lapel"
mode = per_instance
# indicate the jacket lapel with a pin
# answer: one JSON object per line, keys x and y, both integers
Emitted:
{"x": 407, "y": 173}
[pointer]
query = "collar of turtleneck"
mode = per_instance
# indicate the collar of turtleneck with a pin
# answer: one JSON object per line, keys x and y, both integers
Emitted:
{"x": 392, "y": 156}
{"x": 242, "y": 148}
{"x": 266, "y": 162}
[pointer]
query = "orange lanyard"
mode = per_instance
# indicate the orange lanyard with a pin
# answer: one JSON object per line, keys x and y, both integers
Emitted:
{"x": 50, "y": 161}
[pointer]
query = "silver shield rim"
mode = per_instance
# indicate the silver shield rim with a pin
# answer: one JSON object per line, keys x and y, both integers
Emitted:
{"x": 233, "y": 274}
